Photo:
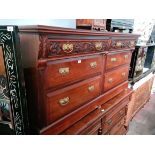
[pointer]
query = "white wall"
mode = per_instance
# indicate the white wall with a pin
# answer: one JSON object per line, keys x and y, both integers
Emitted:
{"x": 68, "y": 23}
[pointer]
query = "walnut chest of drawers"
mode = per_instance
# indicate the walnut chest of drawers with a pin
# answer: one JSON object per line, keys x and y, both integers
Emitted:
{"x": 76, "y": 80}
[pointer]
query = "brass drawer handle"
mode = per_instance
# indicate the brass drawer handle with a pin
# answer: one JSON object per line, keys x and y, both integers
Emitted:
{"x": 118, "y": 44}
{"x": 93, "y": 64}
{"x": 64, "y": 101}
{"x": 126, "y": 56}
{"x": 123, "y": 74}
{"x": 110, "y": 80}
{"x": 91, "y": 88}
{"x": 113, "y": 59}
{"x": 109, "y": 122}
{"x": 64, "y": 71}
{"x": 68, "y": 48}
{"x": 98, "y": 45}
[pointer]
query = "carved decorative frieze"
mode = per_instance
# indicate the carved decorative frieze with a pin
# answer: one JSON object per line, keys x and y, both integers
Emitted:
{"x": 74, "y": 47}
{"x": 119, "y": 44}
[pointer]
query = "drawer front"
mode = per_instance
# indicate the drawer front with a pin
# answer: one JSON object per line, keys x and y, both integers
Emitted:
{"x": 115, "y": 77}
{"x": 109, "y": 123}
{"x": 114, "y": 60}
{"x": 64, "y": 101}
{"x": 117, "y": 127}
{"x": 70, "y": 70}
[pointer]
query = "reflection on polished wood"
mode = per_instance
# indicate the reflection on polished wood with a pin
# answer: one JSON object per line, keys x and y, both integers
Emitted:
{"x": 2, "y": 67}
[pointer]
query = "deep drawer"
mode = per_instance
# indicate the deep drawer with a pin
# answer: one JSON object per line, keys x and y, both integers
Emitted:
{"x": 70, "y": 70}
{"x": 64, "y": 101}
{"x": 117, "y": 59}
{"x": 115, "y": 77}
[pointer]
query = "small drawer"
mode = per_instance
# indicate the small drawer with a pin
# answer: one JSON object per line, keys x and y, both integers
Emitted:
{"x": 64, "y": 101}
{"x": 110, "y": 122}
{"x": 117, "y": 59}
{"x": 117, "y": 127}
{"x": 71, "y": 70}
{"x": 115, "y": 77}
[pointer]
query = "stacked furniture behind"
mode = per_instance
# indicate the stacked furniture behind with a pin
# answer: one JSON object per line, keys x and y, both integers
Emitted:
{"x": 76, "y": 80}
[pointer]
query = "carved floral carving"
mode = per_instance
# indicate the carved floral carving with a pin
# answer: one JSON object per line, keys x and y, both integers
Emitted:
{"x": 118, "y": 44}
{"x": 64, "y": 47}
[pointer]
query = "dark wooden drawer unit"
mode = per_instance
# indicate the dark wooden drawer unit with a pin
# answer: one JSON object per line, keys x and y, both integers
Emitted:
{"x": 117, "y": 59}
{"x": 60, "y": 103}
{"x": 115, "y": 77}
{"x": 72, "y": 78}
{"x": 70, "y": 70}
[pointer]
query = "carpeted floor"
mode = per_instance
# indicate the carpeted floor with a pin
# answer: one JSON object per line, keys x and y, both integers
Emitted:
{"x": 144, "y": 121}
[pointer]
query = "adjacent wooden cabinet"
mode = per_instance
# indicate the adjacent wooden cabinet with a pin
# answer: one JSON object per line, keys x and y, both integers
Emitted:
{"x": 76, "y": 80}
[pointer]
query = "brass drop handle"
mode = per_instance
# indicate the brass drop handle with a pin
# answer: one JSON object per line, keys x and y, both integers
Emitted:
{"x": 109, "y": 122}
{"x": 118, "y": 44}
{"x": 93, "y": 64}
{"x": 110, "y": 80}
{"x": 67, "y": 48}
{"x": 126, "y": 56}
{"x": 113, "y": 59}
{"x": 64, "y": 71}
{"x": 64, "y": 101}
{"x": 91, "y": 88}
{"x": 123, "y": 74}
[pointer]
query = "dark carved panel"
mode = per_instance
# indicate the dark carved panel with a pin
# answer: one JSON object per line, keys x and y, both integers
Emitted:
{"x": 75, "y": 47}
{"x": 12, "y": 84}
{"x": 119, "y": 44}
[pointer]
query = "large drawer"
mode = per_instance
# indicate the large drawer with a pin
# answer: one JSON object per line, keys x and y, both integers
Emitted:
{"x": 115, "y": 77}
{"x": 70, "y": 70}
{"x": 117, "y": 59}
{"x": 64, "y": 101}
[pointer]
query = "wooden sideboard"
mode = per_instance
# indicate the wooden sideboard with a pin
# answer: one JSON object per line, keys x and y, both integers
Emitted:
{"x": 140, "y": 96}
{"x": 76, "y": 80}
